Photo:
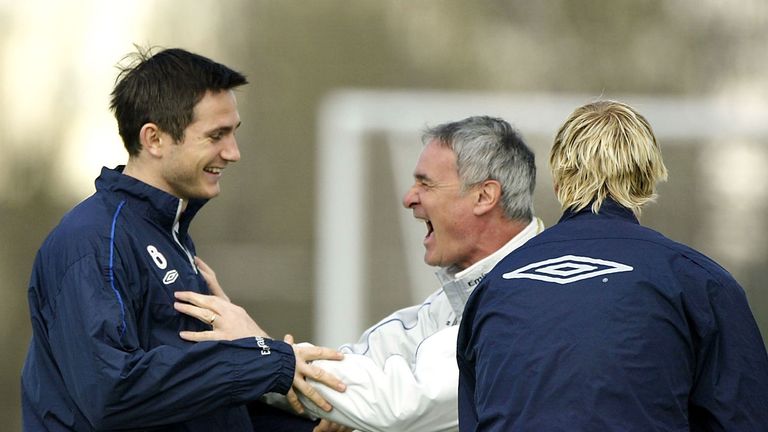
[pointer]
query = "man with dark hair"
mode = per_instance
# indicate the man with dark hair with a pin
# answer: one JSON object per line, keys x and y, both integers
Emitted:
{"x": 105, "y": 351}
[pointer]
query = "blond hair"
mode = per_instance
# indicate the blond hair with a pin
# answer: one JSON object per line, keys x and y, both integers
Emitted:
{"x": 606, "y": 149}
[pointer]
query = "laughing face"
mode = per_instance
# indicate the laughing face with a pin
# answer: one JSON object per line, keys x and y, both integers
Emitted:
{"x": 192, "y": 167}
{"x": 437, "y": 199}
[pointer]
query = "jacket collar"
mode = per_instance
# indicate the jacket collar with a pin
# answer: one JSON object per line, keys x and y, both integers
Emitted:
{"x": 609, "y": 209}
{"x": 155, "y": 204}
{"x": 458, "y": 286}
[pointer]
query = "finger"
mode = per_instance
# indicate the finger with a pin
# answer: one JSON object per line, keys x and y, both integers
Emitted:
{"x": 322, "y": 426}
{"x": 201, "y": 314}
{"x": 217, "y": 290}
{"x": 210, "y": 278}
{"x": 202, "y": 266}
{"x": 320, "y": 375}
{"x": 197, "y": 299}
{"x": 208, "y": 275}
{"x": 199, "y": 336}
{"x": 310, "y": 353}
{"x": 307, "y": 390}
{"x": 293, "y": 401}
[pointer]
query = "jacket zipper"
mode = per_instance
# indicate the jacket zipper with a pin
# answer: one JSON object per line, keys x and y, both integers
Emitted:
{"x": 175, "y": 233}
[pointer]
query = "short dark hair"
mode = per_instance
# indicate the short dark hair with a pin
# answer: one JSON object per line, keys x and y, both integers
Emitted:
{"x": 163, "y": 88}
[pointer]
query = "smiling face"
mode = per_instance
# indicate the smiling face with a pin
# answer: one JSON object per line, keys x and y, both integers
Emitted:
{"x": 192, "y": 167}
{"x": 436, "y": 197}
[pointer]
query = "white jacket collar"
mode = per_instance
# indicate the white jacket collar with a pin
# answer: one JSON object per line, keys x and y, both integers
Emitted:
{"x": 459, "y": 286}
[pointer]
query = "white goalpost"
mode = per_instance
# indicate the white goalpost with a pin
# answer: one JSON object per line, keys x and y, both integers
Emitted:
{"x": 348, "y": 117}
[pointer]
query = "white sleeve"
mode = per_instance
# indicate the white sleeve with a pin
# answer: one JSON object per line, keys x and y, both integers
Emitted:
{"x": 396, "y": 397}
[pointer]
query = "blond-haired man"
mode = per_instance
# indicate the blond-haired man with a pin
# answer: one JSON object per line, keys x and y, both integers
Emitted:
{"x": 600, "y": 323}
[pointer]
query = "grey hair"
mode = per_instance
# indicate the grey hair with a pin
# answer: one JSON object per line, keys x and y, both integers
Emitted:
{"x": 489, "y": 148}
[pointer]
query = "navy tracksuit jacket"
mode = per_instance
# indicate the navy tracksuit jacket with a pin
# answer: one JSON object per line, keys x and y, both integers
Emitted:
{"x": 601, "y": 324}
{"x": 105, "y": 351}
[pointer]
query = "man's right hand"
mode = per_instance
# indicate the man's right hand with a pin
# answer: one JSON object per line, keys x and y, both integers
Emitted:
{"x": 305, "y": 354}
{"x": 230, "y": 321}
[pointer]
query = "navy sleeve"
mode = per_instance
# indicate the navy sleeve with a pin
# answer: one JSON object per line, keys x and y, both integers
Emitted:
{"x": 485, "y": 402}
{"x": 115, "y": 383}
{"x": 731, "y": 384}
{"x": 465, "y": 359}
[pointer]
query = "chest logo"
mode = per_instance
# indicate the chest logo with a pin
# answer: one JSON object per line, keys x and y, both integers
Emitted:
{"x": 567, "y": 269}
{"x": 157, "y": 257}
{"x": 170, "y": 277}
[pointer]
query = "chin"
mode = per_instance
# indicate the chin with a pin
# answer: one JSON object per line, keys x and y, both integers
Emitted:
{"x": 431, "y": 261}
{"x": 210, "y": 194}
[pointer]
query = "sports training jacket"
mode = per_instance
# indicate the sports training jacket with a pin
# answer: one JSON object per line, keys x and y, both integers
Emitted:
{"x": 105, "y": 350}
{"x": 401, "y": 375}
{"x": 601, "y": 324}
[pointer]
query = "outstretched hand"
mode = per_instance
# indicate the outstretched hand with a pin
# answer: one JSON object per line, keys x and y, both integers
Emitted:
{"x": 229, "y": 321}
{"x": 305, "y": 354}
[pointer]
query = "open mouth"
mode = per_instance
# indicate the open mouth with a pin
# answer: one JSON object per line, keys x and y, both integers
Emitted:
{"x": 430, "y": 229}
{"x": 213, "y": 170}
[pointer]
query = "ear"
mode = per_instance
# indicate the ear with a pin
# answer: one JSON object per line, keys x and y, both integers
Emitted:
{"x": 488, "y": 195}
{"x": 151, "y": 139}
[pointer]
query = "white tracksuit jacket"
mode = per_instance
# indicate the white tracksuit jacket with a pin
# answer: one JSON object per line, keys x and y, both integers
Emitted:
{"x": 401, "y": 375}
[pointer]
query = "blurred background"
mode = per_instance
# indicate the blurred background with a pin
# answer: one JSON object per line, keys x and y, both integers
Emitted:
{"x": 339, "y": 92}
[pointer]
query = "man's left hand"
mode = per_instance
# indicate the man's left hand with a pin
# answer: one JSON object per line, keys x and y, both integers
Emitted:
{"x": 228, "y": 320}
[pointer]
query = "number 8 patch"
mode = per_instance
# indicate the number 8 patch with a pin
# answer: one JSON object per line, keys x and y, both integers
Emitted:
{"x": 157, "y": 257}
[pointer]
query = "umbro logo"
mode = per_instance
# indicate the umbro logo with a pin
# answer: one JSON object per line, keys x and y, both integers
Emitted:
{"x": 170, "y": 277}
{"x": 567, "y": 269}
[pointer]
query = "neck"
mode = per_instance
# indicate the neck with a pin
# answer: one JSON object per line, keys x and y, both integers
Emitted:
{"x": 138, "y": 170}
{"x": 499, "y": 234}
{"x": 491, "y": 237}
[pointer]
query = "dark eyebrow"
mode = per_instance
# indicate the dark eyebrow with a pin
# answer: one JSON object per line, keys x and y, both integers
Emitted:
{"x": 422, "y": 178}
{"x": 224, "y": 129}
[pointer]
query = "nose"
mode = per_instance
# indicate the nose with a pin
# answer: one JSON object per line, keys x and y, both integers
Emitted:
{"x": 231, "y": 152}
{"x": 411, "y": 197}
